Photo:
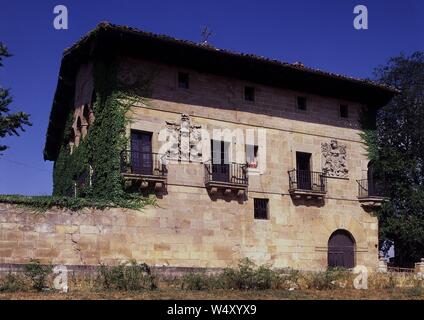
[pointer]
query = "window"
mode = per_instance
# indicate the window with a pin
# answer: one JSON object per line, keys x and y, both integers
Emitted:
{"x": 261, "y": 208}
{"x": 85, "y": 112}
{"x": 183, "y": 80}
{"x": 93, "y": 99}
{"x": 301, "y": 103}
{"x": 220, "y": 151}
{"x": 344, "y": 111}
{"x": 141, "y": 153}
{"x": 220, "y": 161}
{"x": 303, "y": 171}
{"x": 249, "y": 93}
{"x": 252, "y": 156}
{"x": 303, "y": 161}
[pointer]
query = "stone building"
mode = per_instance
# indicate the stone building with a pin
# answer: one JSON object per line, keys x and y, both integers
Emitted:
{"x": 247, "y": 156}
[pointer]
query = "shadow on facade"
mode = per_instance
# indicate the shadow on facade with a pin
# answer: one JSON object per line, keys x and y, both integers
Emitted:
{"x": 227, "y": 197}
{"x": 314, "y": 202}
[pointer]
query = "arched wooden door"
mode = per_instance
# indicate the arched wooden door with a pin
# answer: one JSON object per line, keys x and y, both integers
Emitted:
{"x": 341, "y": 250}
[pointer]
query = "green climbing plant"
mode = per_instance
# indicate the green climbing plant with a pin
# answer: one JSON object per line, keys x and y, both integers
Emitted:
{"x": 97, "y": 157}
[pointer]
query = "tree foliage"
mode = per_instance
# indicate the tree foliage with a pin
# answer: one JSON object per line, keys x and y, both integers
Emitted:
{"x": 397, "y": 147}
{"x": 10, "y": 123}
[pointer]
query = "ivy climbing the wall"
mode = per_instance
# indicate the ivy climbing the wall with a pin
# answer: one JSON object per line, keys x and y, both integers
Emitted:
{"x": 93, "y": 168}
{"x": 68, "y": 167}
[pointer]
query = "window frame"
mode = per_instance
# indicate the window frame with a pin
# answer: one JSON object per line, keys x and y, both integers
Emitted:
{"x": 258, "y": 210}
{"x": 179, "y": 80}
{"x": 247, "y": 94}
{"x": 255, "y": 155}
{"x": 298, "y": 99}
{"x": 341, "y": 106}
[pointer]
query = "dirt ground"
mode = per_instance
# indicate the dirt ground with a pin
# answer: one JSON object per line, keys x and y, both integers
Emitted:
{"x": 161, "y": 294}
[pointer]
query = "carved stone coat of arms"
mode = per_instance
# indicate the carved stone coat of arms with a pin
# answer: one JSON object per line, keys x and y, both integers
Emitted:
{"x": 334, "y": 162}
{"x": 185, "y": 140}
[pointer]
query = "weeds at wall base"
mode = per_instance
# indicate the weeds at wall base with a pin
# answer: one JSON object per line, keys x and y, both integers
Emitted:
{"x": 246, "y": 277}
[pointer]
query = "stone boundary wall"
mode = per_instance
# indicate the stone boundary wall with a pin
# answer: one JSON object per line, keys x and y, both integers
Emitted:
{"x": 85, "y": 239}
{"x": 175, "y": 235}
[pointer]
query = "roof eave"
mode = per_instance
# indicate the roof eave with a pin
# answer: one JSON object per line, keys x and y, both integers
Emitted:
{"x": 365, "y": 91}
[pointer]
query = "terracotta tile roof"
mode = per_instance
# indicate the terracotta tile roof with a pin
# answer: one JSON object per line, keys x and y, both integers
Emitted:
{"x": 250, "y": 67}
{"x": 296, "y": 65}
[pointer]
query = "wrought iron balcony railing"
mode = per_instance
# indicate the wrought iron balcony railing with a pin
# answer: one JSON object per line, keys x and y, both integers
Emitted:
{"x": 304, "y": 180}
{"x": 371, "y": 189}
{"x": 143, "y": 163}
{"x": 231, "y": 173}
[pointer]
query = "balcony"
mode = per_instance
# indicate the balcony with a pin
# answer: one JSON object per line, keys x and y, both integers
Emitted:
{"x": 231, "y": 177}
{"x": 307, "y": 184}
{"x": 371, "y": 193}
{"x": 146, "y": 169}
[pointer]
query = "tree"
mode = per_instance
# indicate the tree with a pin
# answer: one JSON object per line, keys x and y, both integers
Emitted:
{"x": 10, "y": 123}
{"x": 397, "y": 148}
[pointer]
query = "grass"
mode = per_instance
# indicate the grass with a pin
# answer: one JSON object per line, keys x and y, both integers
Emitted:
{"x": 13, "y": 283}
{"x": 132, "y": 280}
{"x": 218, "y": 294}
{"x": 126, "y": 277}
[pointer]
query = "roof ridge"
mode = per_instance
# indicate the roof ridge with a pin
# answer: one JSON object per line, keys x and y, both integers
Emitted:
{"x": 295, "y": 65}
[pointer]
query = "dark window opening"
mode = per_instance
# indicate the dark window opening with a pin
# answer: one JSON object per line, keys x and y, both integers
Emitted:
{"x": 303, "y": 161}
{"x": 375, "y": 185}
{"x": 71, "y": 137}
{"x": 303, "y": 171}
{"x": 86, "y": 113}
{"x": 344, "y": 111}
{"x": 249, "y": 93}
{"x": 260, "y": 208}
{"x": 93, "y": 99}
{"x": 220, "y": 160}
{"x": 301, "y": 103}
{"x": 79, "y": 125}
{"x": 371, "y": 173}
{"x": 141, "y": 152}
{"x": 81, "y": 182}
{"x": 183, "y": 80}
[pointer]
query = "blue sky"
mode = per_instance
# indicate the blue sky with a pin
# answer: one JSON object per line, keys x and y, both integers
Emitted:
{"x": 318, "y": 33}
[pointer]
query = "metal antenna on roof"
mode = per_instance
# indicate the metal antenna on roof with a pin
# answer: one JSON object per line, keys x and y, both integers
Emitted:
{"x": 205, "y": 34}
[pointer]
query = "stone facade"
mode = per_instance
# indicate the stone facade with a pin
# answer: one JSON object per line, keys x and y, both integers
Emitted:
{"x": 190, "y": 227}
{"x": 297, "y": 233}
